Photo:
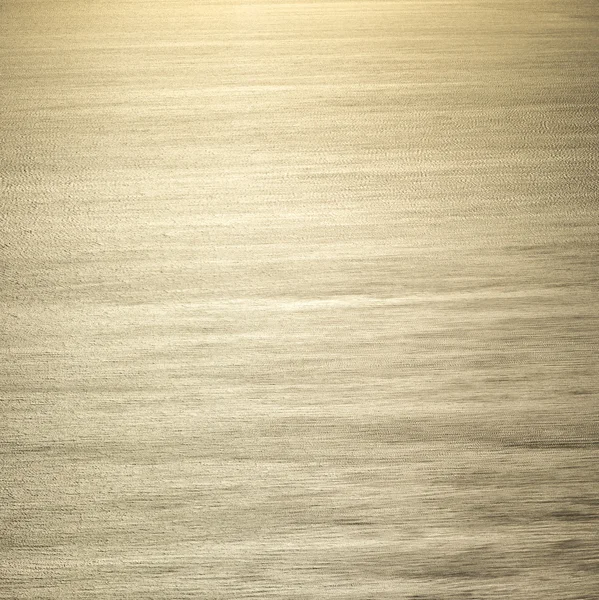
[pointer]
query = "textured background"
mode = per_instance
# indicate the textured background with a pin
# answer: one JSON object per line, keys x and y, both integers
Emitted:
{"x": 299, "y": 299}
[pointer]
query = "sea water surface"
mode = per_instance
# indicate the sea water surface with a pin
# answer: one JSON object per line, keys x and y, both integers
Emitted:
{"x": 299, "y": 299}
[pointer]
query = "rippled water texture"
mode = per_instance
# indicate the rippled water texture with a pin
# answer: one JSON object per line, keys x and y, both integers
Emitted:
{"x": 299, "y": 300}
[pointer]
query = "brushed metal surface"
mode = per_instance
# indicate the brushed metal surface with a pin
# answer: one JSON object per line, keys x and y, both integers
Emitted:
{"x": 299, "y": 300}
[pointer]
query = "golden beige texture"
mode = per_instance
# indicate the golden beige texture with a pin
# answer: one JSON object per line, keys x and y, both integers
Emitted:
{"x": 299, "y": 300}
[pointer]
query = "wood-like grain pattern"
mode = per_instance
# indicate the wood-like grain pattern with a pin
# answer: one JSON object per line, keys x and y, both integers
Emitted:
{"x": 299, "y": 300}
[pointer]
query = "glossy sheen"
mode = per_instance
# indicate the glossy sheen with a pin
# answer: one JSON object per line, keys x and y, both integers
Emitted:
{"x": 299, "y": 300}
